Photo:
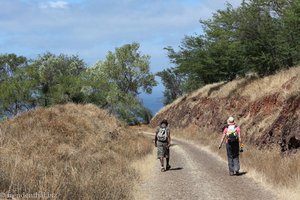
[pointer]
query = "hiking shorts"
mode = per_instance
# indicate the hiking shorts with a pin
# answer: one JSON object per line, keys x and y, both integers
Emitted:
{"x": 162, "y": 150}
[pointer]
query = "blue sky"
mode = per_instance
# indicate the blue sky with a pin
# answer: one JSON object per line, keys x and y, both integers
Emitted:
{"x": 91, "y": 28}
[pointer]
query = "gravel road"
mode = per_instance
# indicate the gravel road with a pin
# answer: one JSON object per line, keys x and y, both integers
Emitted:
{"x": 197, "y": 174}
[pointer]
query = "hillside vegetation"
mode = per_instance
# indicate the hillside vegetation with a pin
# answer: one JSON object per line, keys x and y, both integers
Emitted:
{"x": 258, "y": 36}
{"x": 268, "y": 111}
{"x": 70, "y": 151}
{"x": 112, "y": 83}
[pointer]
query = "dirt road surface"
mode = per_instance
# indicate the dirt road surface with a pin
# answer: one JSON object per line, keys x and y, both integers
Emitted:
{"x": 198, "y": 174}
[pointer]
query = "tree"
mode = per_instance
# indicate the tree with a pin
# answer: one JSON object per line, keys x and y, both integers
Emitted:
{"x": 15, "y": 85}
{"x": 9, "y": 63}
{"x": 129, "y": 69}
{"x": 188, "y": 61}
{"x": 58, "y": 78}
{"x": 51, "y": 79}
{"x": 260, "y": 36}
{"x": 291, "y": 31}
{"x": 173, "y": 83}
{"x": 117, "y": 81}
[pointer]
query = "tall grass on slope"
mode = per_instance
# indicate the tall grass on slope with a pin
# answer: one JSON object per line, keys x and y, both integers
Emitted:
{"x": 71, "y": 151}
{"x": 276, "y": 171}
{"x": 285, "y": 80}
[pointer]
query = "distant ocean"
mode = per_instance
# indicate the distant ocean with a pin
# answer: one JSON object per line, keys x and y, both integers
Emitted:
{"x": 153, "y": 101}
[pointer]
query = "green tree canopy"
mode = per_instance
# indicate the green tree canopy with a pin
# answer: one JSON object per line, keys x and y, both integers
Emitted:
{"x": 260, "y": 36}
{"x": 15, "y": 85}
{"x": 113, "y": 83}
{"x": 58, "y": 78}
{"x": 173, "y": 84}
{"x": 124, "y": 73}
{"x": 129, "y": 69}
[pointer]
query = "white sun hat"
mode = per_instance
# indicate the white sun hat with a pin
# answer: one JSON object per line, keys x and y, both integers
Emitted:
{"x": 230, "y": 119}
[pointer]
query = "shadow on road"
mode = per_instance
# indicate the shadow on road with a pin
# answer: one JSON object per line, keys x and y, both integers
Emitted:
{"x": 176, "y": 168}
{"x": 241, "y": 174}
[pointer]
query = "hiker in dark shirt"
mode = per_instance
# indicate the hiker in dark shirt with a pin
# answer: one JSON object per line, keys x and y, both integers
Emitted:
{"x": 163, "y": 142}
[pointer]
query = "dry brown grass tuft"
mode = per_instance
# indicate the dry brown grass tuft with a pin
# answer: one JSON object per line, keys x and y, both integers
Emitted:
{"x": 165, "y": 108}
{"x": 71, "y": 151}
{"x": 271, "y": 84}
{"x": 145, "y": 167}
{"x": 279, "y": 172}
{"x": 252, "y": 88}
{"x": 249, "y": 87}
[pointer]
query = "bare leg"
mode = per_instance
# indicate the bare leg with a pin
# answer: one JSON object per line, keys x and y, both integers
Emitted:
{"x": 167, "y": 159}
{"x": 161, "y": 161}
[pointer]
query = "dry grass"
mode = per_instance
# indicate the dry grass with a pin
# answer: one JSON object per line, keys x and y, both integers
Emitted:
{"x": 145, "y": 167}
{"x": 204, "y": 91}
{"x": 272, "y": 84}
{"x": 257, "y": 89}
{"x": 275, "y": 171}
{"x": 71, "y": 151}
{"x": 165, "y": 108}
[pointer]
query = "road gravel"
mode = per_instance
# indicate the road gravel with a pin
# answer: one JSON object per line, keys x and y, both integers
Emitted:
{"x": 197, "y": 174}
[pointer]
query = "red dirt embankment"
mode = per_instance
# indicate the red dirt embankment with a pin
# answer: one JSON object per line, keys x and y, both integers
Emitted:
{"x": 267, "y": 109}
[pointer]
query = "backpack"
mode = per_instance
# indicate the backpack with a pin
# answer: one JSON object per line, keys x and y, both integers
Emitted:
{"x": 162, "y": 134}
{"x": 232, "y": 135}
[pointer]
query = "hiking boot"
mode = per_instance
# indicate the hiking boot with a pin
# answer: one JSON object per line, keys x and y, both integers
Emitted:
{"x": 162, "y": 169}
{"x": 168, "y": 167}
{"x": 236, "y": 172}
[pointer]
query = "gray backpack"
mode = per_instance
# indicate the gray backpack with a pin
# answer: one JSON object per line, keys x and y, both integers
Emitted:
{"x": 162, "y": 134}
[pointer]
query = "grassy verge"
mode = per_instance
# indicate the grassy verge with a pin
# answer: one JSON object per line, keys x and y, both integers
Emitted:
{"x": 276, "y": 172}
{"x": 145, "y": 168}
{"x": 70, "y": 152}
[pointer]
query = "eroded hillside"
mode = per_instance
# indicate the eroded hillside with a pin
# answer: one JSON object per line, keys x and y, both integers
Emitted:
{"x": 267, "y": 109}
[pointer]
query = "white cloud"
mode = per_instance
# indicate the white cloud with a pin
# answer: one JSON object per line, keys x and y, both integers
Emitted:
{"x": 55, "y": 5}
{"x": 92, "y": 27}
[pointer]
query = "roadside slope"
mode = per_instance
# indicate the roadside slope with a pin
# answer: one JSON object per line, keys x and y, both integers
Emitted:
{"x": 268, "y": 109}
{"x": 71, "y": 152}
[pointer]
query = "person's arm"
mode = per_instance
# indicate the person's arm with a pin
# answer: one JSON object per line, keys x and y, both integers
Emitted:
{"x": 239, "y": 132}
{"x": 169, "y": 138}
{"x": 155, "y": 138}
{"x": 222, "y": 140}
